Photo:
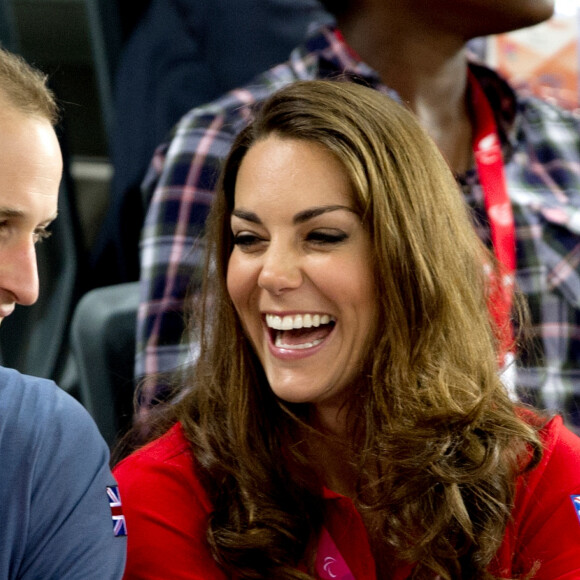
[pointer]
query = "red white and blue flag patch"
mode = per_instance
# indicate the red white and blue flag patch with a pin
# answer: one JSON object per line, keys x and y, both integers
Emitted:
{"x": 119, "y": 525}
{"x": 576, "y": 503}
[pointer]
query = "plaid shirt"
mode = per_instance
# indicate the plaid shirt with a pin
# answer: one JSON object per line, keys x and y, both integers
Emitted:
{"x": 542, "y": 163}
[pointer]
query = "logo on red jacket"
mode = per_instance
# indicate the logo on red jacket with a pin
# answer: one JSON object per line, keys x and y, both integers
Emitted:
{"x": 119, "y": 525}
{"x": 576, "y": 503}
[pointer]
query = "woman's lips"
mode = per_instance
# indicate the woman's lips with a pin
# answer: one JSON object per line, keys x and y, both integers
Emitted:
{"x": 298, "y": 335}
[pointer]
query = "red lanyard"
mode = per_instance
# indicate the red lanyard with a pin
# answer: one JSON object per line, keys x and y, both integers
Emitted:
{"x": 489, "y": 160}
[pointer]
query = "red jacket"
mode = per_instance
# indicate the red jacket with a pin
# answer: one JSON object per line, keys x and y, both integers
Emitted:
{"x": 166, "y": 510}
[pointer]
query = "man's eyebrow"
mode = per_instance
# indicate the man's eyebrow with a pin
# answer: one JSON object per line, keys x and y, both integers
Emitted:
{"x": 299, "y": 218}
{"x": 48, "y": 221}
{"x": 10, "y": 212}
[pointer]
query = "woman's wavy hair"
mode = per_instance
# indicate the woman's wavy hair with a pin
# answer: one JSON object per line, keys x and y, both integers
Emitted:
{"x": 437, "y": 442}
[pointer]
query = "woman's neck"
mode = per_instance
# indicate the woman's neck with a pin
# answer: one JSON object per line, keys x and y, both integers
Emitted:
{"x": 333, "y": 460}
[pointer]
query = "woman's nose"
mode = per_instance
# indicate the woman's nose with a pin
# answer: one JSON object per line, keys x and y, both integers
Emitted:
{"x": 281, "y": 270}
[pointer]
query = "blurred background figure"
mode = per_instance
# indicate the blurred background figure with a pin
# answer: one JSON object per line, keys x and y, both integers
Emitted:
{"x": 526, "y": 205}
{"x": 181, "y": 54}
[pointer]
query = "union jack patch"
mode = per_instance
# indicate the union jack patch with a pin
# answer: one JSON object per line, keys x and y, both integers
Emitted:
{"x": 576, "y": 502}
{"x": 119, "y": 525}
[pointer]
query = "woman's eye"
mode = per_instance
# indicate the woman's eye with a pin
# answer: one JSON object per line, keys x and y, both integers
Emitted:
{"x": 318, "y": 237}
{"x": 246, "y": 241}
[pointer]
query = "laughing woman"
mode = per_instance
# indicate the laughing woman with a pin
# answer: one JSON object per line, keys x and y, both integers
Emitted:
{"x": 348, "y": 419}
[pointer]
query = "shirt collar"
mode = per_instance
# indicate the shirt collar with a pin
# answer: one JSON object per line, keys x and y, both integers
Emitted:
{"x": 326, "y": 55}
{"x": 503, "y": 102}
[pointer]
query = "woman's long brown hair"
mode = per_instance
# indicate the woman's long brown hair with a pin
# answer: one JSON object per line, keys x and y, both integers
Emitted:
{"x": 437, "y": 441}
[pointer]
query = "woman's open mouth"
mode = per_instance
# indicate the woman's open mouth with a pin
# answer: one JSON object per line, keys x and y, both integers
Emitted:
{"x": 299, "y": 331}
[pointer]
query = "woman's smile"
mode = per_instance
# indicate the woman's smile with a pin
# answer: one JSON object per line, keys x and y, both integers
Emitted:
{"x": 299, "y": 331}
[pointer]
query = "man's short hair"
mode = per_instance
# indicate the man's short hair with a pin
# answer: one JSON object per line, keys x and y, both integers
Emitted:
{"x": 25, "y": 88}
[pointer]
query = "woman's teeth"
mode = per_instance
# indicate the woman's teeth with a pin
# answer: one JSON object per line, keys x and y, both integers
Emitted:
{"x": 297, "y": 321}
{"x": 290, "y": 332}
{"x": 278, "y": 342}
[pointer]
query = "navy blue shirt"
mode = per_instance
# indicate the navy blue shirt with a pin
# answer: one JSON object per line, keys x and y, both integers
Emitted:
{"x": 55, "y": 517}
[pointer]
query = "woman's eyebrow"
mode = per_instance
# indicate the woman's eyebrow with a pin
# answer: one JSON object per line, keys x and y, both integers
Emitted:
{"x": 313, "y": 212}
{"x": 246, "y": 215}
{"x": 299, "y": 218}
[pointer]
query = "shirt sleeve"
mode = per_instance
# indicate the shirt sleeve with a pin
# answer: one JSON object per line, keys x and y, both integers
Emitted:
{"x": 181, "y": 185}
{"x": 71, "y": 527}
{"x": 166, "y": 519}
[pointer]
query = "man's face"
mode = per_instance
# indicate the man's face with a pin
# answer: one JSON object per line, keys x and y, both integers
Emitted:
{"x": 30, "y": 173}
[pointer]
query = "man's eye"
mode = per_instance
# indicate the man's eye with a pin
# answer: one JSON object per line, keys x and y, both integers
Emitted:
{"x": 5, "y": 230}
{"x": 326, "y": 237}
{"x": 41, "y": 235}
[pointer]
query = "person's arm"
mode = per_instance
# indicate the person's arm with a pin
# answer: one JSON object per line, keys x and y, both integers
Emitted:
{"x": 167, "y": 512}
{"x": 70, "y": 532}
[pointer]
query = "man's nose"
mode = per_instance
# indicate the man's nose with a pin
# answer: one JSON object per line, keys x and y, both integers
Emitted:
{"x": 21, "y": 276}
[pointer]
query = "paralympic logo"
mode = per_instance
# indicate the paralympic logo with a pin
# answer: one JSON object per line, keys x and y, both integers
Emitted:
{"x": 327, "y": 566}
